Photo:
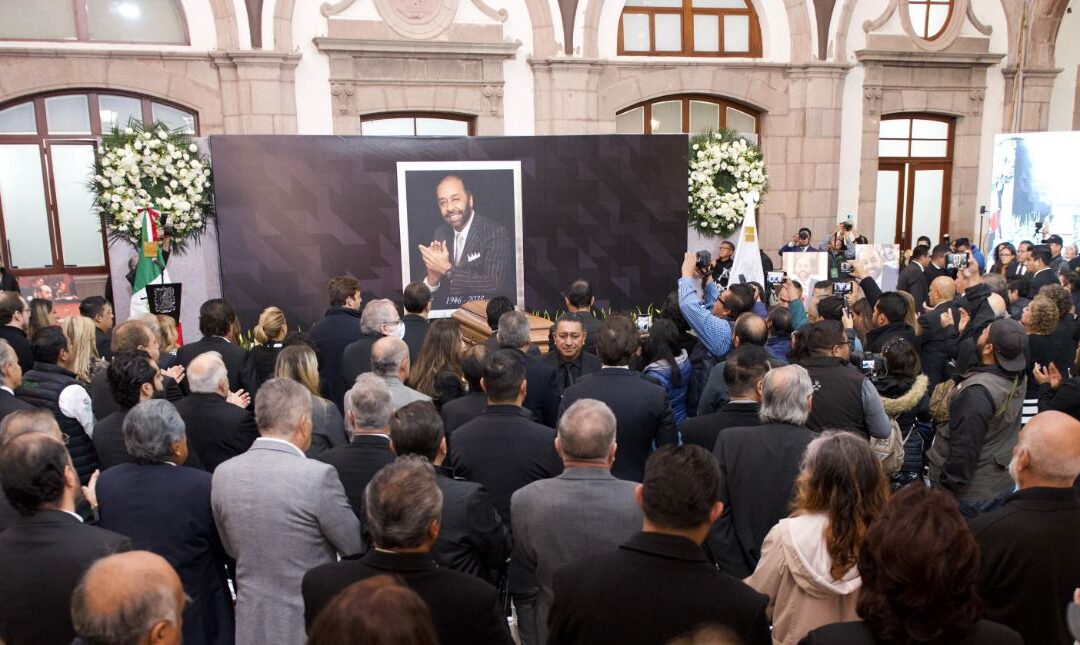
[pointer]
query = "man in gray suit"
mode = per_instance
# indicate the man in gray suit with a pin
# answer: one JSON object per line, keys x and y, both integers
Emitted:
{"x": 582, "y": 512}
{"x": 390, "y": 362}
{"x": 279, "y": 514}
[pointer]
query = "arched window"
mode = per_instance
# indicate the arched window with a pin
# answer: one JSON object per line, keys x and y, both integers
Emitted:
{"x": 914, "y": 182}
{"x": 46, "y": 156}
{"x": 114, "y": 21}
{"x": 689, "y": 28}
{"x": 690, "y": 113}
{"x": 416, "y": 124}
{"x": 929, "y": 17}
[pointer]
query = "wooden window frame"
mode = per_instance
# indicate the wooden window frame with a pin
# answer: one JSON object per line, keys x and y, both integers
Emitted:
{"x": 688, "y": 11}
{"x": 44, "y": 141}
{"x": 82, "y": 30}
{"x": 468, "y": 119}
{"x": 907, "y": 167}
{"x": 924, "y": 31}
{"x": 686, "y": 99}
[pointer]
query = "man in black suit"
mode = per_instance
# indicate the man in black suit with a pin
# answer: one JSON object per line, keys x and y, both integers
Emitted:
{"x": 380, "y": 319}
{"x": 1030, "y": 554}
{"x": 889, "y": 320}
{"x": 939, "y": 339}
{"x": 20, "y": 422}
{"x": 569, "y": 357}
{"x": 98, "y": 309}
{"x": 466, "y": 408}
{"x": 640, "y": 406}
{"x": 660, "y": 584}
{"x": 503, "y": 450}
{"x": 758, "y": 467}
{"x": 10, "y": 380}
{"x": 132, "y": 336}
{"x": 219, "y": 427}
{"x": 1038, "y": 265}
{"x": 368, "y": 407}
{"x": 403, "y": 515}
{"x": 331, "y": 335}
{"x": 44, "y": 555}
{"x": 743, "y": 371}
{"x": 218, "y": 324}
{"x": 579, "y": 300}
{"x": 913, "y": 276}
{"x": 164, "y": 507}
{"x": 542, "y": 399}
{"x": 133, "y": 377}
{"x": 936, "y": 268}
{"x": 416, "y": 299}
{"x": 469, "y": 255}
{"x": 472, "y": 537}
{"x": 14, "y": 315}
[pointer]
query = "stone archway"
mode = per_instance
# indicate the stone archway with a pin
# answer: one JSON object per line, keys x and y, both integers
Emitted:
{"x": 228, "y": 34}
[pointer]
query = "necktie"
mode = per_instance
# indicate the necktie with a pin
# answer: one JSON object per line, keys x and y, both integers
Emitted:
{"x": 567, "y": 375}
{"x": 457, "y": 248}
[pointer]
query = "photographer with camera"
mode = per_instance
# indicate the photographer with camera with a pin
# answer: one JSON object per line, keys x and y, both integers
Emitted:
{"x": 800, "y": 243}
{"x": 905, "y": 393}
{"x": 706, "y": 317}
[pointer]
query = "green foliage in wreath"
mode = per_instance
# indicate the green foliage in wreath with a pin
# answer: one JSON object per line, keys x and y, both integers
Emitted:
{"x": 724, "y": 170}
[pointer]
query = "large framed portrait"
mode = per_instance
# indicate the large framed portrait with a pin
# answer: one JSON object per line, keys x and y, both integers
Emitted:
{"x": 808, "y": 269}
{"x": 461, "y": 232}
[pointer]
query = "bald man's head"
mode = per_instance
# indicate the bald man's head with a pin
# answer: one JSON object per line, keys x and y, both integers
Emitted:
{"x": 942, "y": 289}
{"x": 207, "y": 374}
{"x": 390, "y": 357}
{"x": 33, "y": 420}
{"x": 133, "y": 597}
{"x": 751, "y": 329}
{"x": 1047, "y": 452}
{"x": 997, "y": 304}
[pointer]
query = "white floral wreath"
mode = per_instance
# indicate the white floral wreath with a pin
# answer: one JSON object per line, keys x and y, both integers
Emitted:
{"x": 724, "y": 170}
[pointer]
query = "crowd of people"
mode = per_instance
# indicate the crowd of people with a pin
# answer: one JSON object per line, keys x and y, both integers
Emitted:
{"x": 779, "y": 463}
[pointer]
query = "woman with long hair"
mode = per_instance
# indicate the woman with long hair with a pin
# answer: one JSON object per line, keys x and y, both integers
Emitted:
{"x": 298, "y": 363}
{"x": 668, "y": 364}
{"x": 905, "y": 394}
{"x": 1005, "y": 263}
{"x": 269, "y": 334}
{"x": 919, "y": 565}
{"x": 80, "y": 332}
{"x": 809, "y": 561}
{"x": 437, "y": 371}
{"x": 169, "y": 338}
{"x": 41, "y": 315}
{"x": 911, "y": 318}
{"x": 861, "y": 316}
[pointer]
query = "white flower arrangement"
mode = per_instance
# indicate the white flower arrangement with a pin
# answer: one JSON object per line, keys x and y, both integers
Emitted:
{"x": 149, "y": 166}
{"x": 724, "y": 169}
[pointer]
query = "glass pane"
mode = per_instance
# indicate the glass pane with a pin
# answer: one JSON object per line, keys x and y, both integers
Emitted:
{"x": 175, "y": 119}
{"x": 630, "y": 122}
{"x": 736, "y": 33}
{"x": 80, "y": 228}
{"x": 396, "y": 127}
{"x": 135, "y": 21}
{"x": 635, "y": 29}
{"x": 929, "y": 148}
{"x": 668, "y": 32}
{"x": 888, "y": 148}
{"x": 888, "y": 188}
{"x": 669, "y": 4}
{"x": 41, "y": 19}
{"x": 704, "y": 117}
{"x": 441, "y": 127}
{"x": 117, "y": 111}
{"x": 741, "y": 122}
{"x": 939, "y": 13}
{"x": 895, "y": 129}
{"x": 22, "y": 196}
{"x": 18, "y": 119}
{"x": 706, "y": 33}
{"x": 67, "y": 114}
{"x": 926, "y": 206}
{"x": 924, "y": 129}
{"x": 917, "y": 13}
{"x": 667, "y": 117}
{"x": 719, "y": 4}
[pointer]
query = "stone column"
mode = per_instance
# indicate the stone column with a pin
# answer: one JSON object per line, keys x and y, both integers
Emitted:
{"x": 1035, "y": 98}
{"x": 567, "y": 100}
{"x": 258, "y": 91}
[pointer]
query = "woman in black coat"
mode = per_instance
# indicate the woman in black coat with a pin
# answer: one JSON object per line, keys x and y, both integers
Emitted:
{"x": 269, "y": 334}
{"x": 919, "y": 565}
{"x": 905, "y": 393}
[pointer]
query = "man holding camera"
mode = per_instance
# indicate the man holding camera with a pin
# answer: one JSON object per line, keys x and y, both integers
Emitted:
{"x": 800, "y": 243}
{"x": 705, "y": 318}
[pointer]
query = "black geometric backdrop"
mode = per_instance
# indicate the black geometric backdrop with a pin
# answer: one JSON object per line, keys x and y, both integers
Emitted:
{"x": 295, "y": 210}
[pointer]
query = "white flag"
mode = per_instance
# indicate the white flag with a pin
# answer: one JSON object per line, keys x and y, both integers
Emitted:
{"x": 746, "y": 267}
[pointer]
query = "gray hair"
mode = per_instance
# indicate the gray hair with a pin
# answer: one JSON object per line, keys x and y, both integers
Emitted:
{"x": 784, "y": 395}
{"x": 280, "y": 405}
{"x": 369, "y": 402}
{"x": 206, "y": 372}
{"x": 587, "y": 430}
{"x": 20, "y": 422}
{"x": 151, "y": 321}
{"x": 150, "y": 429}
{"x": 387, "y": 355}
{"x": 134, "y": 615}
{"x": 401, "y": 502}
{"x": 377, "y": 313}
{"x": 513, "y": 330}
{"x": 7, "y": 354}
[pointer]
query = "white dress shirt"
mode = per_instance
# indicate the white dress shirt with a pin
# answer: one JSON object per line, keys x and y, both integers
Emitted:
{"x": 75, "y": 404}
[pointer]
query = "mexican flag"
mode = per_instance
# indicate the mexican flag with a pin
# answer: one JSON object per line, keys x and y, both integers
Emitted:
{"x": 151, "y": 266}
